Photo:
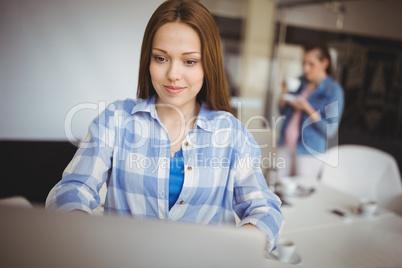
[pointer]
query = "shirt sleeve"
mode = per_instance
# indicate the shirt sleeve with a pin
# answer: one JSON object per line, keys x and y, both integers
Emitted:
{"x": 284, "y": 110}
{"x": 88, "y": 170}
{"x": 253, "y": 201}
{"x": 330, "y": 113}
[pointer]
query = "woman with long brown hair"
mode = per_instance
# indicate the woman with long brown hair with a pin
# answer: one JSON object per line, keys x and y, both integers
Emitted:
{"x": 176, "y": 153}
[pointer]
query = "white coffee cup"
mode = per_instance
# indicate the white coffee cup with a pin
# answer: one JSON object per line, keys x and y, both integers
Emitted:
{"x": 288, "y": 186}
{"x": 367, "y": 208}
{"x": 285, "y": 250}
{"x": 292, "y": 84}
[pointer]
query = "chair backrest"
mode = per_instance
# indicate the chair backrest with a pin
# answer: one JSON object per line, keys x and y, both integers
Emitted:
{"x": 16, "y": 200}
{"x": 364, "y": 172}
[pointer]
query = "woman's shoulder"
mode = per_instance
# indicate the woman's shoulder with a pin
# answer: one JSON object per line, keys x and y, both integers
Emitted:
{"x": 328, "y": 89}
{"x": 223, "y": 121}
{"x": 331, "y": 83}
{"x": 126, "y": 106}
{"x": 219, "y": 119}
{"x": 225, "y": 124}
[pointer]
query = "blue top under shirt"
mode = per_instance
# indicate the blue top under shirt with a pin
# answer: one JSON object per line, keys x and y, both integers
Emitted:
{"x": 176, "y": 177}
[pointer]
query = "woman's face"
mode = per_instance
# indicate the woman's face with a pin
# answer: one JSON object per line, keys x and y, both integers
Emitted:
{"x": 175, "y": 65}
{"x": 313, "y": 67}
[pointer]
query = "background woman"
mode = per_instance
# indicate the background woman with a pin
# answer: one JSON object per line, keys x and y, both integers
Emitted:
{"x": 176, "y": 153}
{"x": 312, "y": 115}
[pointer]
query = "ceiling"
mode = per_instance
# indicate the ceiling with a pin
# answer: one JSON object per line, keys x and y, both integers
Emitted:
{"x": 293, "y": 3}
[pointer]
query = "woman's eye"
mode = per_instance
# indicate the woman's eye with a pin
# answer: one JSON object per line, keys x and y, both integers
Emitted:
{"x": 159, "y": 59}
{"x": 190, "y": 62}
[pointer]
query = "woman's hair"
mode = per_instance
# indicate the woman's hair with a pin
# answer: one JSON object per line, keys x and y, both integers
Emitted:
{"x": 323, "y": 54}
{"x": 214, "y": 91}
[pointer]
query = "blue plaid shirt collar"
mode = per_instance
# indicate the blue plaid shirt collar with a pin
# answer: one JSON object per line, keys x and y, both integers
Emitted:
{"x": 148, "y": 106}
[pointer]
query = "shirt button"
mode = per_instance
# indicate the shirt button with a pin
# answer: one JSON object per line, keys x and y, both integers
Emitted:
{"x": 189, "y": 168}
{"x": 162, "y": 193}
{"x": 186, "y": 143}
{"x": 181, "y": 202}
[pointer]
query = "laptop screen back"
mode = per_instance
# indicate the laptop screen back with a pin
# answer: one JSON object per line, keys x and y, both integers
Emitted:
{"x": 39, "y": 238}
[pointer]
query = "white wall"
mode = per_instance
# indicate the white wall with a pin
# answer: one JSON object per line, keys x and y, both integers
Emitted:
{"x": 367, "y": 17}
{"x": 55, "y": 55}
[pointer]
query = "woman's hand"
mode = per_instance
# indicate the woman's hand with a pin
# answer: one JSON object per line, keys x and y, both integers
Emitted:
{"x": 79, "y": 211}
{"x": 303, "y": 105}
{"x": 300, "y": 104}
{"x": 284, "y": 91}
{"x": 253, "y": 228}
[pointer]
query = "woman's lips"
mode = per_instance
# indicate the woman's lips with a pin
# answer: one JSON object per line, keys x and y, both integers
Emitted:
{"x": 174, "y": 89}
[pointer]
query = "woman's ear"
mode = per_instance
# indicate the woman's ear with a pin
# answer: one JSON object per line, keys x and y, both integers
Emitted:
{"x": 325, "y": 63}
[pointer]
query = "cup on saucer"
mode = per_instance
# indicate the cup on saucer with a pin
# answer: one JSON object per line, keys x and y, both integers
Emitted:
{"x": 288, "y": 186}
{"x": 367, "y": 208}
{"x": 292, "y": 84}
{"x": 285, "y": 250}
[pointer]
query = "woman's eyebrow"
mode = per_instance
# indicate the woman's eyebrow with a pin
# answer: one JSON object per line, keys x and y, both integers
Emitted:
{"x": 192, "y": 52}
{"x": 161, "y": 50}
{"x": 184, "y": 53}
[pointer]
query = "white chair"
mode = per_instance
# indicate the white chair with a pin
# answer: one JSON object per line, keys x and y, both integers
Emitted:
{"x": 16, "y": 200}
{"x": 365, "y": 172}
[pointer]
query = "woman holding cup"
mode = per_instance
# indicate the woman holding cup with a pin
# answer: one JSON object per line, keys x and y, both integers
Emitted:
{"x": 312, "y": 115}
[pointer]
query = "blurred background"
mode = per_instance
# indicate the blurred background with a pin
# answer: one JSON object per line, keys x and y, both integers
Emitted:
{"x": 62, "y": 61}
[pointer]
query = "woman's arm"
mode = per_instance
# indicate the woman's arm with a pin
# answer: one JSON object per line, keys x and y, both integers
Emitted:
{"x": 254, "y": 203}
{"x": 282, "y": 102}
{"x": 328, "y": 113}
{"x": 88, "y": 170}
{"x": 305, "y": 106}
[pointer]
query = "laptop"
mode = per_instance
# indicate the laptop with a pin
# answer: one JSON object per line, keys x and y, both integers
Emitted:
{"x": 34, "y": 237}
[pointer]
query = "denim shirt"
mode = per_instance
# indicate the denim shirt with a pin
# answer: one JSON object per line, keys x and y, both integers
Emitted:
{"x": 328, "y": 100}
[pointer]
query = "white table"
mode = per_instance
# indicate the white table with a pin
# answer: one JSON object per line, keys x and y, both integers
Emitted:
{"x": 324, "y": 239}
{"x": 314, "y": 211}
{"x": 358, "y": 244}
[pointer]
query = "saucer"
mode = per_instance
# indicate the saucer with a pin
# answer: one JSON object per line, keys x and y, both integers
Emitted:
{"x": 294, "y": 259}
{"x": 359, "y": 213}
{"x": 298, "y": 192}
{"x": 279, "y": 188}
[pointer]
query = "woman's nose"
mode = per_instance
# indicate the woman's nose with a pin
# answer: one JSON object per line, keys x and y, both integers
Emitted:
{"x": 306, "y": 69}
{"x": 175, "y": 71}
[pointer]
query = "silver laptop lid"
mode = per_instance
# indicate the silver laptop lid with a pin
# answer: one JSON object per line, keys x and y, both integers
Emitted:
{"x": 39, "y": 238}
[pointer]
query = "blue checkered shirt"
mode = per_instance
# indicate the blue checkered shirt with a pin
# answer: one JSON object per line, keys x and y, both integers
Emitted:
{"x": 128, "y": 144}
